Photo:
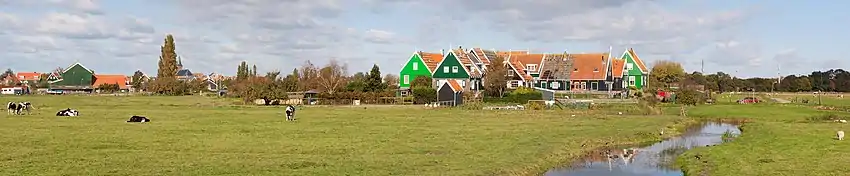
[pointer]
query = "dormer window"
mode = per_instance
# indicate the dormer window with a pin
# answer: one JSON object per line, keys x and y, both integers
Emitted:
{"x": 531, "y": 67}
{"x": 595, "y": 69}
{"x": 575, "y": 70}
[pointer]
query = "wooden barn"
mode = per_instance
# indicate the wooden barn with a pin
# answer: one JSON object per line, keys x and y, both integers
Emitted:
{"x": 450, "y": 93}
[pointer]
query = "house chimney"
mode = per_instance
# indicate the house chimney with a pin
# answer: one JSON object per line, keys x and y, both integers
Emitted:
{"x": 442, "y": 51}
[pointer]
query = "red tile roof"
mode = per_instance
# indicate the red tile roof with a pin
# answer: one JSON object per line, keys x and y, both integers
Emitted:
{"x": 462, "y": 56}
{"x": 28, "y": 76}
{"x": 480, "y": 53}
{"x": 455, "y": 85}
{"x": 617, "y": 67}
{"x": 585, "y": 64}
{"x": 513, "y": 52}
{"x": 431, "y": 59}
{"x": 526, "y": 59}
{"x": 637, "y": 60}
{"x": 121, "y": 80}
{"x": 519, "y": 69}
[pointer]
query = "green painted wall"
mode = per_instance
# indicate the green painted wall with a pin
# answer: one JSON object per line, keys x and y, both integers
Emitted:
{"x": 449, "y": 62}
{"x": 635, "y": 71}
{"x": 76, "y": 76}
{"x": 421, "y": 70}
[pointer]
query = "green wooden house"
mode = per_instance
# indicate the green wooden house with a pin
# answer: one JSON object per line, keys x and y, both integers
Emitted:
{"x": 74, "y": 78}
{"x": 451, "y": 68}
{"x": 635, "y": 73}
{"x": 414, "y": 67}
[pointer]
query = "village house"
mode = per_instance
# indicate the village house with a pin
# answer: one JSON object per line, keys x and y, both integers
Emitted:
{"x": 78, "y": 78}
{"x": 419, "y": 64}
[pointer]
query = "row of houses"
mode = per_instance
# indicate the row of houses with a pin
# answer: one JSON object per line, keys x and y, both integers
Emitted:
{"x": 79, "y": 78}
{"x": 557, "y": 72}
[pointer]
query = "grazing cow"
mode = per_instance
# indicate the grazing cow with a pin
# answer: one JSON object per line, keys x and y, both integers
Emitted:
{"x": 17, "y": 108}
{"x": 840, "y": 135}
{"x": 26, "y": 106}
{"x": 290, "y": 113}
{"x": 12, "y": 107}
{"x": 68, "y": 112}
{"x": 140, "y": 119}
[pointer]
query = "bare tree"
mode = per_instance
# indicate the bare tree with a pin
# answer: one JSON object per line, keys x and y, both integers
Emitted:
{"x": 391, "y": 80}
{"x": 332, "y": 77}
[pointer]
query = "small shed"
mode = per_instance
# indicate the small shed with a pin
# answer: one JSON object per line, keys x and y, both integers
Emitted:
{"x": 451, "y": 93}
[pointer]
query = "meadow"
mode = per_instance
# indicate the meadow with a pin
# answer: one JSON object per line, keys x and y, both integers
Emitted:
{"x": 778, "y": 139}
{"x": 195, "y": 135}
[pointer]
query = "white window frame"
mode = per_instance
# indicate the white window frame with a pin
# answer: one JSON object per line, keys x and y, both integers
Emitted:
{"x": 632, "y": 80}
{"x": 594, "y": 85}
{"x": 455, "y": 69}
{"x": 406, "y": 79}
{"x": 531, "y": 67}
{"x": 445, "y": 69}
{"x": 415, "y": 66}
{"x": 630, "y": 66}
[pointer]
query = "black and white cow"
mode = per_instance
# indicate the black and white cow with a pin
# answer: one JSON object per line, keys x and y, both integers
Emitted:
{"x": 290, "y": 113}
{"x": 139, "y": 119}
{"x": 68, "y": 112}
{"x": 17, "y": 108}
{"x": 12, "y": 107}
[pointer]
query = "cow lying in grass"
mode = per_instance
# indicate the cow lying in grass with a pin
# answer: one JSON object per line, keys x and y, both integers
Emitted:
{"x": 139, "y": 119}
{"x": 68, "y": 112}
{"x": 17, "y": 108}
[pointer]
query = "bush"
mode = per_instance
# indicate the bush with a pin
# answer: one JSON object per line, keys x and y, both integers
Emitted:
{"x": 423, "y": 95}
{"x": 522, "y": 95}
{"x": 689, "y": 97}
{"x": 535, "y": 106}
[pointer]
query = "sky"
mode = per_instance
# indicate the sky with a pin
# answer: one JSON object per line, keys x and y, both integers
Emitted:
{"x": 746, "y": 38}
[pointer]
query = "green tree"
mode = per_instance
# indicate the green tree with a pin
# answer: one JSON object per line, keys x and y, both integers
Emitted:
{"x": 166, "y": 82}
{"x": 290, "y": 83}
{"x": 138, "y": 81}
{"x": 495, "y": 79}
{"x": 666, "y": 72}
{"x": 242, "y": 72}
{"x": 374, "y": 82}
{"x": 421, "y": 81}
{"x": 254, "y": 71}
{"x": 167, "y": 59}
{"x": 688, "y": 97}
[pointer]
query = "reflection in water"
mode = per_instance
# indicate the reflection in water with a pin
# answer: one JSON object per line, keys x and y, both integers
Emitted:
{"x": 653, "y": 160}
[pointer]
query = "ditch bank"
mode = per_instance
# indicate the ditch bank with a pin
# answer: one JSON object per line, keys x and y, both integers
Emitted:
{"x": 654, "y": 159}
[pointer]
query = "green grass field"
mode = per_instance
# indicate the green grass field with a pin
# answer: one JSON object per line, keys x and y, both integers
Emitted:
{"x": 777, "y": 140}
{"x": 206, "y": 136}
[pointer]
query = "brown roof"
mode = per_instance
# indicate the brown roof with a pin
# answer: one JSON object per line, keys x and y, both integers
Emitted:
{"x": 480, "y": 53}
{"x": 637, "y": 60}
{"x": 617, "y": 67}
{"x": 528, "y": 59}
{"x": 585, "y": 64}
{"x": 520, "y": 70}
{"x": 454, "y": 85}
{"x": 431, "y": 59}
{"x": 513, "y": 52}
{"x": 121, "y": 80}
{"x": 462, "y": 56}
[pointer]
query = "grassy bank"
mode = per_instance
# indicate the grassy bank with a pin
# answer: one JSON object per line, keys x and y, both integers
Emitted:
{"x": 778, "y": 140}
{"x": 203, "y": 136}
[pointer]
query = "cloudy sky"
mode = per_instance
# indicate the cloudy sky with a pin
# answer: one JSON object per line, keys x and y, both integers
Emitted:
{"x": 120, "y": 36}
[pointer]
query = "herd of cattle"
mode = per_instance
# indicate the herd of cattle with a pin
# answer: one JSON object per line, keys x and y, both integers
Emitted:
{"x": 18, "y": 108}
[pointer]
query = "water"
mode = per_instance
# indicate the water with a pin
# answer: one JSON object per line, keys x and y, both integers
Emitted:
{"x": 654, "y": 160}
